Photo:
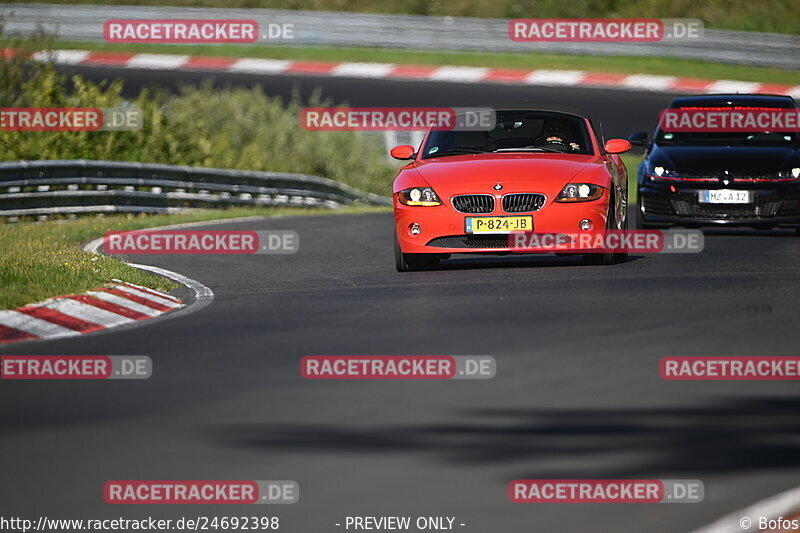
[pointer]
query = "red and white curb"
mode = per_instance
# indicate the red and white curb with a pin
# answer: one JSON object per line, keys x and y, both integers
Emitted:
{"x": 105, "y": 307}
{"x": 457, "y": 74}
{"x": 115, "y": 304}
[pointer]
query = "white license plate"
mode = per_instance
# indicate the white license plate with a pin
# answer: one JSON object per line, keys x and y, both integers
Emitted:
{"x": 726, "y": 196}
{"x": 501, "y": 224}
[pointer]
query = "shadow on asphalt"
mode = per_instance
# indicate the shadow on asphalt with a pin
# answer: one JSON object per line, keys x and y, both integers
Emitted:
{"x": 748, "y": 232}
{"x": 467, "y": 262}
{"x": 738, "y": 435}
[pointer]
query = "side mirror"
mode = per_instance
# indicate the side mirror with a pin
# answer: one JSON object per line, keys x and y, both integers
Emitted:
{"x": 404, "y": 151}
{"x": 617, "y": 146}
{"x": 638, "y": 138}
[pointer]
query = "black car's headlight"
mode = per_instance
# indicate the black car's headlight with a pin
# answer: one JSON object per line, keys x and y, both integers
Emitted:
{"x": 580, "y": 192}
{"x": 658, "y": 172}
{"x": 420, "y": 196}
{"x": 790, "y": 174}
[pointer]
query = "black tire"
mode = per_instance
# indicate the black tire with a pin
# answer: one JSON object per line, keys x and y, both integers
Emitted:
{"x": 602, "y": 258}
{"x": 620, "y": 257}
{"x": 409, "y": 262}
{"x": 797, "y": 231}
{"x": 608, "y": 258}
{"x": 640, "y": 223}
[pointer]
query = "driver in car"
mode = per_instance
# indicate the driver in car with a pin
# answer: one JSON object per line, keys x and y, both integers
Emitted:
{"x": 555, "y": 131}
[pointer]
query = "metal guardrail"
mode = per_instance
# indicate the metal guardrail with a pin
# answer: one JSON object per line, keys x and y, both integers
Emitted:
{"x": 72, "y": 187}
{"x": 85, "y": 23}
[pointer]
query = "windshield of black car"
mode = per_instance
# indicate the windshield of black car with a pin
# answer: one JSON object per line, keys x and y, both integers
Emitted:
{"x": 515, "y": 132}
{"x": 728, "y": 138}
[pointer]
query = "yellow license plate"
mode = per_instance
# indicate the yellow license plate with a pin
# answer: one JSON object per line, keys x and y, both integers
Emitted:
{"x": 498, "y": 224}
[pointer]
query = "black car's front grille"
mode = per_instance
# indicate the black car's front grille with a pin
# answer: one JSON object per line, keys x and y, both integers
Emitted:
{"x": 474, "y": 203}
{"x": 790, "y": 207}
{"x": 522, "y": 202}
{"x": 688, "y": 206}
{"x": 657, "y": 205}
{"x": 471, "y": 241}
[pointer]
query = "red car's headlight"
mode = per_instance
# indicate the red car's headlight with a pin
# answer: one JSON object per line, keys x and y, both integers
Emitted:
{"x": 420, "y": 196}
{"x": 580, "y": 192}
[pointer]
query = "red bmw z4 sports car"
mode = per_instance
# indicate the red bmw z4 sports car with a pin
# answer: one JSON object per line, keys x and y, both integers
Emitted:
{"x": 535, "y": 171}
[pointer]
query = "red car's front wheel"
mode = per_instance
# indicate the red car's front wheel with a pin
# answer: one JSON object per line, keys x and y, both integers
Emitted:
{"x": 405, "y": 262}
{"x": 608, "y": 258}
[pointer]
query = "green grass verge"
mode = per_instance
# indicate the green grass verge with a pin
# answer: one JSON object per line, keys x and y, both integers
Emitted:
{"x": 631, "y": 162}
{"x": 41, "y": 260}
{"x": 517, "y": 60}
{"x": 779, "y": 16}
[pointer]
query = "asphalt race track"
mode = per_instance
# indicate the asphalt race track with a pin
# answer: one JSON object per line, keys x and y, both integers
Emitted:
{"x": 577, "y": 392}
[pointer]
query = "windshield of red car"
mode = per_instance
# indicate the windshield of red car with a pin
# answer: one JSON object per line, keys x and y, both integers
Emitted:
{"x": 515, "y": 131}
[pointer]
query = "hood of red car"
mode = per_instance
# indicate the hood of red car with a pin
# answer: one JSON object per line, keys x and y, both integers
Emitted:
{"x": 544, "y": 173}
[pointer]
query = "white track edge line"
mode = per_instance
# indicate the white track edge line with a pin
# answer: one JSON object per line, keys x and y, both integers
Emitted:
{"x": 160, "y": 294}
{"x": 770, "y": 508}
{"x": 131, "y": 292}
{"x": 202, "y": 295}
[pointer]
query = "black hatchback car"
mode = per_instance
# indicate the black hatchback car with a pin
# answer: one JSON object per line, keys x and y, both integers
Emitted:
{"x": 705, "y": 178}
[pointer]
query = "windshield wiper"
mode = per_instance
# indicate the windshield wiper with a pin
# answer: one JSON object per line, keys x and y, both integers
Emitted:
{"x": 456, "y": 151}
{"x": 534, "y": 149}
